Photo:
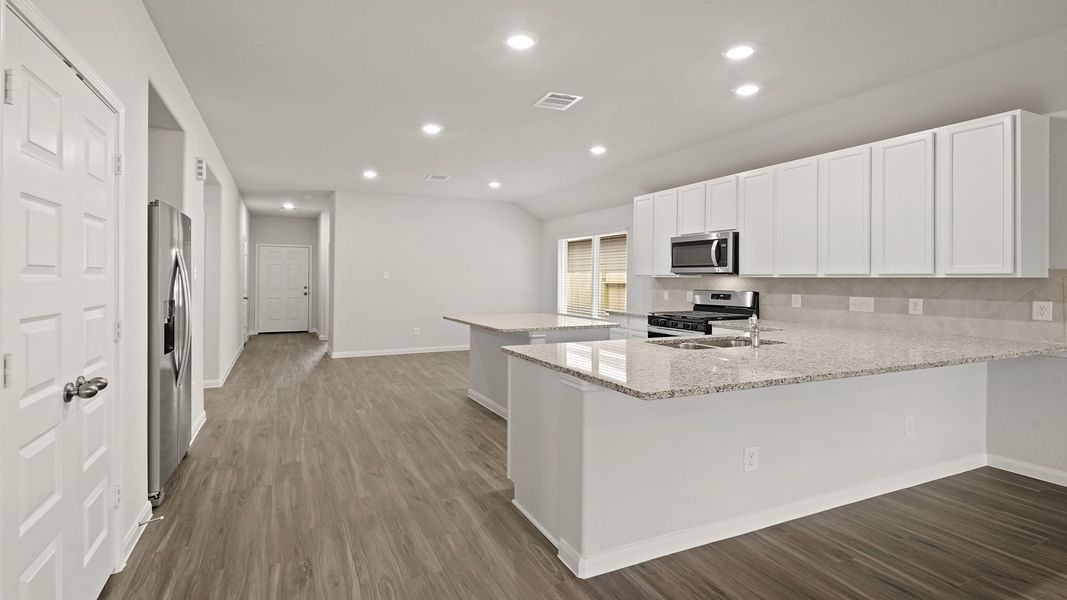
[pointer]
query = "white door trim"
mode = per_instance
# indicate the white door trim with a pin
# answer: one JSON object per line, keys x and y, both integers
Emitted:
{"x": 255, "y": 286}
{"x": 28, "y": 12}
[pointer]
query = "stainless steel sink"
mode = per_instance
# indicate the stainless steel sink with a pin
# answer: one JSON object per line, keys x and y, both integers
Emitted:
{"x": 711, "y": 344}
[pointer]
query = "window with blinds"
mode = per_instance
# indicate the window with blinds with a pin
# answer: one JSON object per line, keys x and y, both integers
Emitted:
{"x": 591, "y": 275}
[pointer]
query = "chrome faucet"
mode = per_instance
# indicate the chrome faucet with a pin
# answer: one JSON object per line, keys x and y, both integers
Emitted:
{"x": 753, "y": 330}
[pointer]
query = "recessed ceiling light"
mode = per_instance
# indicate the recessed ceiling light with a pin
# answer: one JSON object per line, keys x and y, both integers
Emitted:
{"x": 370, "y": 174}
{"x": 494, "y": 184}
{"x": 739, "y": 52}
{"x": 521, "y": 41}
{"x": 746, "y": 89}
{"x": 288, "y": 206}
{"x": 432, "y": 129}
{"x": 598, "y": 150}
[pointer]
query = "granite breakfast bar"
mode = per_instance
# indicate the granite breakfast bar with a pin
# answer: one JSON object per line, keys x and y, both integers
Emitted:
{"x": 488, "y": 366}
{"x": 623, "y": 451}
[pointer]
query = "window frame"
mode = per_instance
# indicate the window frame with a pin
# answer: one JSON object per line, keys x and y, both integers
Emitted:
{"x": 561, "y": 268}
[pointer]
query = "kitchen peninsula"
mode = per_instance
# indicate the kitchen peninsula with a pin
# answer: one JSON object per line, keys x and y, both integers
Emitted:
{"x": 488, "y": 365}
{"x": 623, "y": 451}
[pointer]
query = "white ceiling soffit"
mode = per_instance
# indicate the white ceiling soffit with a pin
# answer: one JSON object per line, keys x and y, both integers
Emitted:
{"x": 308, "y": 95}
{"x": 269, "y": 204}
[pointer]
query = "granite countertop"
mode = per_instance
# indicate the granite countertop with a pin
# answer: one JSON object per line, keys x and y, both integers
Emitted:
{"x": 527, "y": 322}
{"x": 648, "y": 370}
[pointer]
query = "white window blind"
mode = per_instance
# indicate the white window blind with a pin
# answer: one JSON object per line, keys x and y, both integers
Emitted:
{"x": 591, "y": 275}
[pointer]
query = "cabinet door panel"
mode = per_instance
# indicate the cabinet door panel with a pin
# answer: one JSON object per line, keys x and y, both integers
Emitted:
{"x": 691, "y": 209}
{"x": 664, "y": 227}
{"x": 721, "y": 207}
{"x": 902, "y": 206}
{"x": 796, "y": 215}
{"x": 845, "y": 212}
{"x": 642, "y": 235}
{"x": 976, "y": 197}
{"x": 756, "y": 207}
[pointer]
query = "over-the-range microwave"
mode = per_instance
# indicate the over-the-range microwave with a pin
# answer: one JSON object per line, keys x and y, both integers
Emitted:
{"x": 699, "y": 253}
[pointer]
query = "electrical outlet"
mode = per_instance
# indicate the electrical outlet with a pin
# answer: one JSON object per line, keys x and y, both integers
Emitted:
{"x": 666, "y": 295}
{"x": 415, "y": 331}
{"x": 861, "y": 304}
{"x": 386, "y": 274}
{"x": 689, "y": 296}
{"x": 909, "y": 426}
{"x": 1042, "y": 311}
{"x": 915, "y": 306}
{"x": 795, "y": 301}
{"x": 751, "y": 458}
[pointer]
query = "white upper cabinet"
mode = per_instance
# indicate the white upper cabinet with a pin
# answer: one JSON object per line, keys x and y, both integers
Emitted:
{"x": 691, "y": 209}
{"x": 902, "y": 205}
{"x": 796, "y": 218}
{"x": 756, "y": 208}
{"x": 845, "y": 212}
{"x": 664, "y": 227}
{"x": 721, "y": 206}
{"x": 642, "y": 235}
{"x": 976, "y": 197}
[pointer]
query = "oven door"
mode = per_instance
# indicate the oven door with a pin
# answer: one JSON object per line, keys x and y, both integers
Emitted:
{"x": 714, "y": 252}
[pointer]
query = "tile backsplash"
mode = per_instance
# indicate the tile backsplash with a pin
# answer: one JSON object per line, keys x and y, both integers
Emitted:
{"x": 999, "y": 308}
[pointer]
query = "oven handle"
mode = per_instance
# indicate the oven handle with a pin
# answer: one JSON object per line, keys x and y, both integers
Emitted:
{"x": 675, "y": 332}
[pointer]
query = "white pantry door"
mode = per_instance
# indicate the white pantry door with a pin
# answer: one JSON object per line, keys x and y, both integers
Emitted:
{"x": 282, "y": 299}
{"x": 57, "y": 311}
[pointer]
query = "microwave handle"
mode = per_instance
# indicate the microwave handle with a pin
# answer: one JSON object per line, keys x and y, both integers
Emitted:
{"x": 715, "y": 253}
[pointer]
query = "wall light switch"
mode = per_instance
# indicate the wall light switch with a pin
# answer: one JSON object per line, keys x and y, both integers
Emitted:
{"x": 909, "y": 426}
{"x": 1042, "y": 311}
{"x": 915, "y": 306}
{"x": 689, "y": 296}
{"x": 861, "y": 304}
{"x": 385, "y": 274}
{"x": 666, "y": 295}
{"x": 415, "y": 331}
{"x": 795, "y": 301}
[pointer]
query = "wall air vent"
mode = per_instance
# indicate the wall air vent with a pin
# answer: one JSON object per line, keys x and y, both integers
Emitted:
{"x": 438, "y": 177}
{"x": 557, "y": 101}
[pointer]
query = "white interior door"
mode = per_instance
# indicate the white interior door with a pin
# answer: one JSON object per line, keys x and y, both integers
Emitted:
{"x": 57, "y": 311}
{"x": 284, "y": 287}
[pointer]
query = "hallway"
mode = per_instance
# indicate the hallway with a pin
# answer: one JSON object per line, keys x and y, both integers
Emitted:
{"x": 377, "y": 478}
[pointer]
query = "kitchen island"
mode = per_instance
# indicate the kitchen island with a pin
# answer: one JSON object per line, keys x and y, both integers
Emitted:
{"x": 623, "y": 451}
{"x": 488, "y": 333}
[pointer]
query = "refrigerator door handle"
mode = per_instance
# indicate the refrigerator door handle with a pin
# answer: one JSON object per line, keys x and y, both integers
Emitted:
{"x": 187, "y": 334}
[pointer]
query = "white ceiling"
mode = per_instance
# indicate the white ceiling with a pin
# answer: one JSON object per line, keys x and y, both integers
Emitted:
{"x": 305, "y": 96}
{"x": 269, "y": 204}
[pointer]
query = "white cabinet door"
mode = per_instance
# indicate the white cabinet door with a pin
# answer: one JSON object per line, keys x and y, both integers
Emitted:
{"x": 976, "y": 197}
{"x": 756, "y": 196}
{"x": 902, "y": 205}
{"x": 796, "y": 217}
{"x": 664, "y": 227}
{"x": 845, "y": 212}
{"x": 691, "y": 217}
{"x": 642, "y": 235}
{"x": 721, "y": 203}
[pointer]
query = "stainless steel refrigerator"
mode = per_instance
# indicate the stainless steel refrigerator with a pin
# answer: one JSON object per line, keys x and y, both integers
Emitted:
{"x": 170, "y": 340}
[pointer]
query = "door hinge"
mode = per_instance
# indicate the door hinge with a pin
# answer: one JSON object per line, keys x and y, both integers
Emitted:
{"x": 118, "y": 330}
{"x": 118, "y": 163}
{"x": 7, "y": 370}
{"x": 9, "y": 86}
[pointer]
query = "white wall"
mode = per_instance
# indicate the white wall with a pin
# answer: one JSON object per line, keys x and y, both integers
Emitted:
{"x": 444, "y": 257}
{"x": 127, "y": 57}
{"x": 294, "y": 231}
{"x": 212, "y": 275}
{"x": 322, "y": 322}
{"x": 1028, "y": 417}
{"x": 1058, "y": 192}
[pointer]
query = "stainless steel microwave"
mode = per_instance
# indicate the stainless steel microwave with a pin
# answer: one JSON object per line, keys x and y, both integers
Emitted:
{"x": 714, "y": 252}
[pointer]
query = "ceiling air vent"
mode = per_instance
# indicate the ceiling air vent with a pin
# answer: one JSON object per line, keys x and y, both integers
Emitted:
{"x": 557, "y": 101}
{"x": 438, "y": 177}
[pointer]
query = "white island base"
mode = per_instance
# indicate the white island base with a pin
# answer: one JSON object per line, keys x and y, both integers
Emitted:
{"x": 613, "y": 480}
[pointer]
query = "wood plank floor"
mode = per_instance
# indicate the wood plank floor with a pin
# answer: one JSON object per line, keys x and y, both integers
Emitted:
{"x": 377, "y": 478}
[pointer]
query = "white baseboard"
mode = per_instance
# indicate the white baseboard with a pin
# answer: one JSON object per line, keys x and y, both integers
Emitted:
{"x": 1029, "y": 469}
{"x": 500, "y": 410}
{"x": 532, "y": 520}
{"x": 644, "y": 550}
{"x": 217, "y": 383}
{"x": 198, "y": 424}
{"x": 133, "y": 535}
{"x": 394, "y": 351}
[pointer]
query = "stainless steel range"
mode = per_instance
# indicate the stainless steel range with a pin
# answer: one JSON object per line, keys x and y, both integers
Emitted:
{"x": 710, "y": 307}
